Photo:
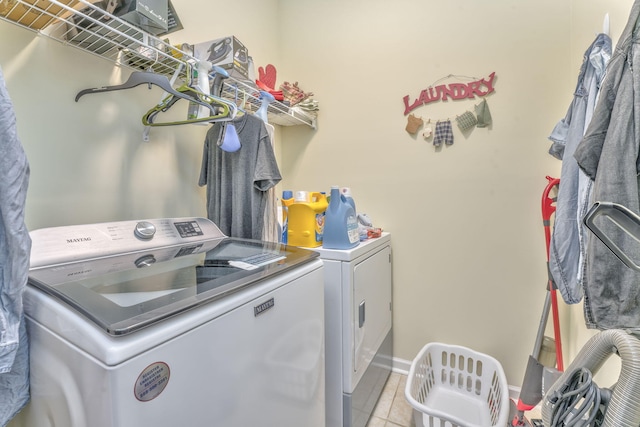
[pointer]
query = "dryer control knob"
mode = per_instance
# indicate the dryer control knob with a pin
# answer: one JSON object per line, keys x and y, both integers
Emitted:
{"x": 144, "y": 230}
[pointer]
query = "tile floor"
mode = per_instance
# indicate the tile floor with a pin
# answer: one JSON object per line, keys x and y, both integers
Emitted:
{"x": 392, "y": 409}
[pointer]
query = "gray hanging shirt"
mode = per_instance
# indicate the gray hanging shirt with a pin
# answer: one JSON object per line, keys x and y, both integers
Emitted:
{"x": 237, "y": 182}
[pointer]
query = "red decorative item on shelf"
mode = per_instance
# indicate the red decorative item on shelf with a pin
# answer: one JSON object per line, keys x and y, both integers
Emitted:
{"x": 267, "y": 81}
{"x": 267, "y": 75}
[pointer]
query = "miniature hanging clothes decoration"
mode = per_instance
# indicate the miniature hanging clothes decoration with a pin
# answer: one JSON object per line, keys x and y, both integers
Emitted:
{"x": 15, "y": 249}
{"x": 413, "y": 124}
{"x": 237, "y": 182}
{"x": 483, "y": 115}
{"x": 443, "y": 133}
{"x": 466, "y": 121}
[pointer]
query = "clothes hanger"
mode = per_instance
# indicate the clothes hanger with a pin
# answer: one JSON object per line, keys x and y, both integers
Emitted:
{"x": 141, "y": 77}
{"x": 217, "y": 76}
{"x": 222, "y": 110}
{"x": 605, "y": 24}
{"x": 172, "y": 80}
{"x": 219, "y": 108}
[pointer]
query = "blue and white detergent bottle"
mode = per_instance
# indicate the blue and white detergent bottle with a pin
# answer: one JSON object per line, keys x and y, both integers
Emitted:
{"x": 341, "y": 223}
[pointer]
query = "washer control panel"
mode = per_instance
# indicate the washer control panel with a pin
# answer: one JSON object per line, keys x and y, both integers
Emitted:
{"x": 57, "y": 245}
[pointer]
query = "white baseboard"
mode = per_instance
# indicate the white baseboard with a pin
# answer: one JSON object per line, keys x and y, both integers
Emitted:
{"x": 400, "y": 366}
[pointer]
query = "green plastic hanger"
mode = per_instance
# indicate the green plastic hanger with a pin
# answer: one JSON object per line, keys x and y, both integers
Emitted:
{"x": 221, "y": 109}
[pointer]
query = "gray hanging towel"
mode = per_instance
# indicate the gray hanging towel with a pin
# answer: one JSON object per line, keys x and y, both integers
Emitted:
{"x": 15, "y": 248}
{"x": 483, "y": 114}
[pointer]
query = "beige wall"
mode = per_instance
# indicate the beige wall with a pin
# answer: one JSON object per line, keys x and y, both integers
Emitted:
{"x": 469, "y": 260}
{"x": 469, "y": 254}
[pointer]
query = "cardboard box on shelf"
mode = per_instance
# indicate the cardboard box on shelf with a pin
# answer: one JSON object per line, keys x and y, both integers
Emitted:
{"x": 34, "y": 14}
{"x": 226, "y": 52}
{"x": 173, "y": 21}
{"x": 94, "y": 29}
{"x": 151, "y": 16}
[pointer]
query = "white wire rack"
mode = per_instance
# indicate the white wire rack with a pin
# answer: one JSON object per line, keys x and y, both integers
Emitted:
{"x": 86, "y": 26}
{"x": 247, "y": 97}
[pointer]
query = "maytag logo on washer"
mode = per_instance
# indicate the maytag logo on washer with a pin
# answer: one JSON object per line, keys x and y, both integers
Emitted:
{"x": 259, "y": 309}
{"x": 79, "y": 240}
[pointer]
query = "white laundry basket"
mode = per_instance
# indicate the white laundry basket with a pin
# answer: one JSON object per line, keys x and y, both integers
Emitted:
{"x": 453, "y": 386}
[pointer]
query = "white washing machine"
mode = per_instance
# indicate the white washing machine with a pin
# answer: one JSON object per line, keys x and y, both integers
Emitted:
{"x": 358, "y": 324}
{"x": 169, "y": 323}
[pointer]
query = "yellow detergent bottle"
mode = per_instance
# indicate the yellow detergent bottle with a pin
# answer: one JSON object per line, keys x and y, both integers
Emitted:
{"x": 306, "y": 221}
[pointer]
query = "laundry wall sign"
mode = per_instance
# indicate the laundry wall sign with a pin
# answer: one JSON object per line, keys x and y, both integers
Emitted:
{"x": 475, "y": 89}
{"x": 456, "y": 91}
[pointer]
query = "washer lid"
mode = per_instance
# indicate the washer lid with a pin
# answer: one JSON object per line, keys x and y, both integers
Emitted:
{"x": 124, "y": 293}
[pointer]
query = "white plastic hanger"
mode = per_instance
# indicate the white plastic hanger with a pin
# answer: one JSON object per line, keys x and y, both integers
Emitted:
{"x": 605, "y": 24}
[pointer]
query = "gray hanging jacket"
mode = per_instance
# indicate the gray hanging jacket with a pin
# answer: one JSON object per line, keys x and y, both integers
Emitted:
{"x": 567, "y": 247}
{"x": 608, "y": 155}
{"x": 15, "y": 248}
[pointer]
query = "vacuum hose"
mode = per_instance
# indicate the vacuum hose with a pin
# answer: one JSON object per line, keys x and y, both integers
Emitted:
{"x": 623, "y": 410}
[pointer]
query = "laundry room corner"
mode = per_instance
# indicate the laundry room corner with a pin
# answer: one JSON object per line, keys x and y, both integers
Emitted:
{"x": 454, "y": 210}
{"x": 432, "y": 118}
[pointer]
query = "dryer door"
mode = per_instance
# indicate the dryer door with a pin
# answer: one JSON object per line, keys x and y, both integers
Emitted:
{"x": 371, "y": 311}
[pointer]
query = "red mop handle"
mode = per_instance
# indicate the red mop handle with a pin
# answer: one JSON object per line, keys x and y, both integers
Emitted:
{"x": 548, "y": 209}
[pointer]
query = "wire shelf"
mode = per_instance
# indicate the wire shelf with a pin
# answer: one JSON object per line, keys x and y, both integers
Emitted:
{"x": 247, "y": 97}
{"x": 83, "y": 25}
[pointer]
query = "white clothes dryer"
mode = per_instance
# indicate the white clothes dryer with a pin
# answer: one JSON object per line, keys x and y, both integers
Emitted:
{"x": 358, "y": 329}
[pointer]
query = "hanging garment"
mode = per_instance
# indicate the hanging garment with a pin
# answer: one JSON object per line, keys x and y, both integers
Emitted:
{"x": 237, "y": 182}
{"x": 15, "y": 248}
{"x": 270, "y": 232}
{"x": 567, "y": 249}
{"x": 608, "y": 154}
